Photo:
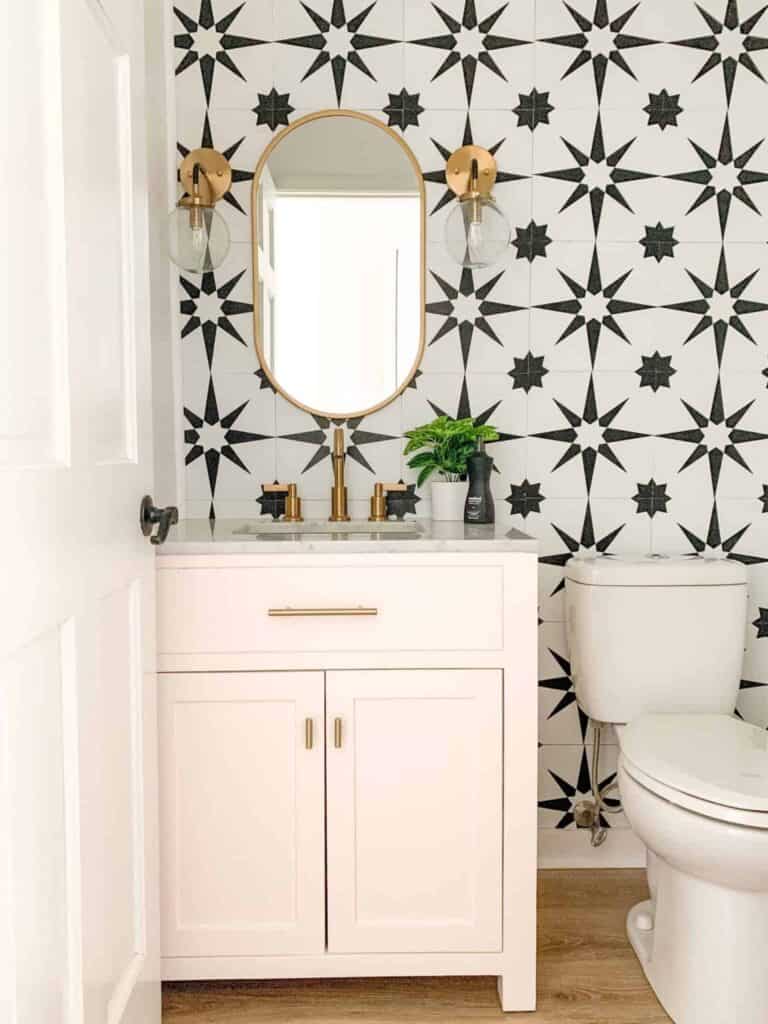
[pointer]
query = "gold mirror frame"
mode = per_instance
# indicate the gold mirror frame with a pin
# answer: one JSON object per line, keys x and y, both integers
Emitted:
{"x": 422, "y": 270}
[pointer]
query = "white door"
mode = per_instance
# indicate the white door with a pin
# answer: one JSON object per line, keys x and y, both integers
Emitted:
{"x": 414, "y": 811}
{"x": 78, "y": 913}
{"x": 241, "y": 785}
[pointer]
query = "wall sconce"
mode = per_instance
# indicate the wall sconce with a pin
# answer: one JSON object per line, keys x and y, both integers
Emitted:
{"x": 198, "y": 236}
{"x": 477, "y": 232}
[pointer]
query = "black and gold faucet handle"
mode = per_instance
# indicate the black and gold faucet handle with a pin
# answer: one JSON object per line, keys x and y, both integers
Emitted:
{"x": 281, "y": 500}
{"x": 380, "y": 500}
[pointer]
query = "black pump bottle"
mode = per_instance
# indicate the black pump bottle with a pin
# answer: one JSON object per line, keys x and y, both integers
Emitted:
{"x": 479, "y": 506}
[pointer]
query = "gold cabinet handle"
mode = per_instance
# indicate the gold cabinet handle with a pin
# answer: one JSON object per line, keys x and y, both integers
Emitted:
{"x": 309, "y": 733}
{"x": 287, "y": 613}
{"x": 337, "y": 736}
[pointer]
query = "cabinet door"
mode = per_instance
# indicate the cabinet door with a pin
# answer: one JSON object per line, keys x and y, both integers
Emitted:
{"x": 414, "y": 811}
{"x": 242, "y": 815}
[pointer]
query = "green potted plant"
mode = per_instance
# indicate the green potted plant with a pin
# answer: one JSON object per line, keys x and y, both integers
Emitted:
{"x": 443, "y": 447}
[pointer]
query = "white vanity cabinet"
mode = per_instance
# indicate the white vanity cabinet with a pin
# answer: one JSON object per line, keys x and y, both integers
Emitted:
{"x": 348, "y": 764}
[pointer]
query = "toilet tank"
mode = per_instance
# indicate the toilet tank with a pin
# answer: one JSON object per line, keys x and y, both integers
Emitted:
{"x": 655, "y": 634}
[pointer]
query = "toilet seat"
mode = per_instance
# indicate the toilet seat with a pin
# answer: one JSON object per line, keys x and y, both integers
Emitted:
{"x": 714, "y": 765}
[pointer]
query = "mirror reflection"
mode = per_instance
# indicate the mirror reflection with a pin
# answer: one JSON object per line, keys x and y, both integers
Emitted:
{"x": 338, "y": 259}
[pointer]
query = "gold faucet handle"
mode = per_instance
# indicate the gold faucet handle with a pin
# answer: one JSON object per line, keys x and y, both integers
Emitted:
{"x": 293, "y": 505}
{"x": 379, "y": 500}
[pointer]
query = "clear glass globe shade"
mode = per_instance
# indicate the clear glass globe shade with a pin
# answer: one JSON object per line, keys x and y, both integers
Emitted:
{"x": 198, "y": 240}
{"x": 477, "y": 233}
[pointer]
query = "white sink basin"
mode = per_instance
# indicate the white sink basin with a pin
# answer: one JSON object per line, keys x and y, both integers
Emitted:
{"x": 270, "y": 528}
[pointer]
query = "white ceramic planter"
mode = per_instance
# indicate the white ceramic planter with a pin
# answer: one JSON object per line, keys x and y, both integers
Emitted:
{"x": 448, "y": 500}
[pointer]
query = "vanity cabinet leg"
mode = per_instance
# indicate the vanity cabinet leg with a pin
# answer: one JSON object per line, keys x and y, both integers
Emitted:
{"x": 510, "y": 996}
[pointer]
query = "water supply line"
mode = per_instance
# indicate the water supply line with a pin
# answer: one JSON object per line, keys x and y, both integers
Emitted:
{"x": 588, "y": 812}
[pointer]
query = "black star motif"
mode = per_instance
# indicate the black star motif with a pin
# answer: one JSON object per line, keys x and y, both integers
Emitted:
{"x": 594, "y": 307}
{"x": 319, "y": 439}
{"x": 587, "y": 542}
{"x": 210, "y": 309}
{"x": 651, "y": 498}
{"x": 469, "y": 42}
{"x": 438, "y": 177}
{"x": 464, "y": 412}
{"x": 531, "y": 241}
{"x": 214, "y": 436}
{"x": 749, "y": 684}
{"x": 265, "y": 384}
{"x": 716, "y": 543}
{"x": 587, "y": 42}
{"x": 273, "y": 108}
{"x": 529, "y": 372}
{"x": 658, "y": 242}
{"x": 467, "y": 308}
{"x": 720, "y": 40}
{"x": 663, "y": 109}
{"x": 597, "y": 174}
{"x": 206, "y": 142}
{"x": 533, "y": 109}
{"x": 761, "y": 623}
{"x": 403, "y": 109}
{"x": 402, "y": 503}
{"x": 739, "y": 177}
{"x": 338, "y": 56}
{"x": 525, "y": 498}
{"x": 206, "y": 34}
{"x": 764, "y": 499}
{"x": 716, "y": 436}
{"x": 272, "y": 503}
{"x": 564, "y": 684}
{"x": 722, "y": 307}
{"x": 576, "y": 447}
{"x": 572, "y": 794}
{"x": 655, "y": 371}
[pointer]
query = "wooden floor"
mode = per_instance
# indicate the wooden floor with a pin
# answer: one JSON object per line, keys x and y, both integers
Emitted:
{"x": 587, "y": 974}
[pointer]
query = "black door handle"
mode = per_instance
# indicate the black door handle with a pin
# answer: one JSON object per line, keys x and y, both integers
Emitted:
{"x": 151, "y": 516}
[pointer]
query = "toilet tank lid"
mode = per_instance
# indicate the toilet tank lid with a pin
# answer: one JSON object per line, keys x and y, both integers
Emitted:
{"x": 655, "y": 571}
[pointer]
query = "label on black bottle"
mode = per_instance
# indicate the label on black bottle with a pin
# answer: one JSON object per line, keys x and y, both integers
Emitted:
{"x": 474, "y": 509}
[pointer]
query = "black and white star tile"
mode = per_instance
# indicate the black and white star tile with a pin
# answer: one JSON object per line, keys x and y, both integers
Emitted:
{"x": 229, "y": 442}
{"x": 472, "y": 53}
{"x": 565, "y": 779}
{"x": 222, "y": 50}
{"x": 339, "y": 53}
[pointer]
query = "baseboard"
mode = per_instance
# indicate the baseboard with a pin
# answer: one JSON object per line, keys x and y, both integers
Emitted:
{"x": 570, "y": 848}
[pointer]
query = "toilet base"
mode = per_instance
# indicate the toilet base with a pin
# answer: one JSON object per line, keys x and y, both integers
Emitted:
{"x": 704, "y": 952}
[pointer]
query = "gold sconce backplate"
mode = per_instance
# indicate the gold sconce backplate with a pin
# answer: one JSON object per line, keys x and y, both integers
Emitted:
{"x": 459, "y": 169}
{"x": 215, "y": 180}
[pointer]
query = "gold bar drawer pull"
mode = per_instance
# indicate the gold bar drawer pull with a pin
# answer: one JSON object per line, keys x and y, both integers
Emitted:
{"x": 309, "y": 733}
{"x": 337, "y": 734}
{"x": 289, "y": 613}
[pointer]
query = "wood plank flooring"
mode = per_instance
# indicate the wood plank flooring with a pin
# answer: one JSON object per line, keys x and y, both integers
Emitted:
{"x": 587, "y": 975}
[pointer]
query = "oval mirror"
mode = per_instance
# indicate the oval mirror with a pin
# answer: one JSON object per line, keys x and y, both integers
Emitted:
{"x": 338, "y": 240}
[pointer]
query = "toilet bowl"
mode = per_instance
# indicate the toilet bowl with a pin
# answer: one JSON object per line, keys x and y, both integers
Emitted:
{"x": 702, "y": 938}
{"x": 656, "y": 649}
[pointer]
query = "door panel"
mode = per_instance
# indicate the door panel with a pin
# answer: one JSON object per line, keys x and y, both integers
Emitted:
{"x": 414, "y": 811}
{"x": 242, "y": 846}
{"x": 78, "y": 869}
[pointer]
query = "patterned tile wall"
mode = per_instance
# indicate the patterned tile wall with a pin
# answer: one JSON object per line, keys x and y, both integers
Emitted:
{"x": 622, "y": 350}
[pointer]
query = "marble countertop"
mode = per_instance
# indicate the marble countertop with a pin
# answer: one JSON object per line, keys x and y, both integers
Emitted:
{"x": 204, "y": 537}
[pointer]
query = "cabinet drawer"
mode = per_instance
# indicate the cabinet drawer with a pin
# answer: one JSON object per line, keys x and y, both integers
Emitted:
{"x": 305, "y": 608}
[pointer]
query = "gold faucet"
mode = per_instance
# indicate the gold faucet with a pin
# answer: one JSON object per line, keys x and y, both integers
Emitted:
{"x": 339, "y": 512}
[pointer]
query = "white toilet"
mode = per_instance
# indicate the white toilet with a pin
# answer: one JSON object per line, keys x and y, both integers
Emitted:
{"x": 656, "y": 649}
